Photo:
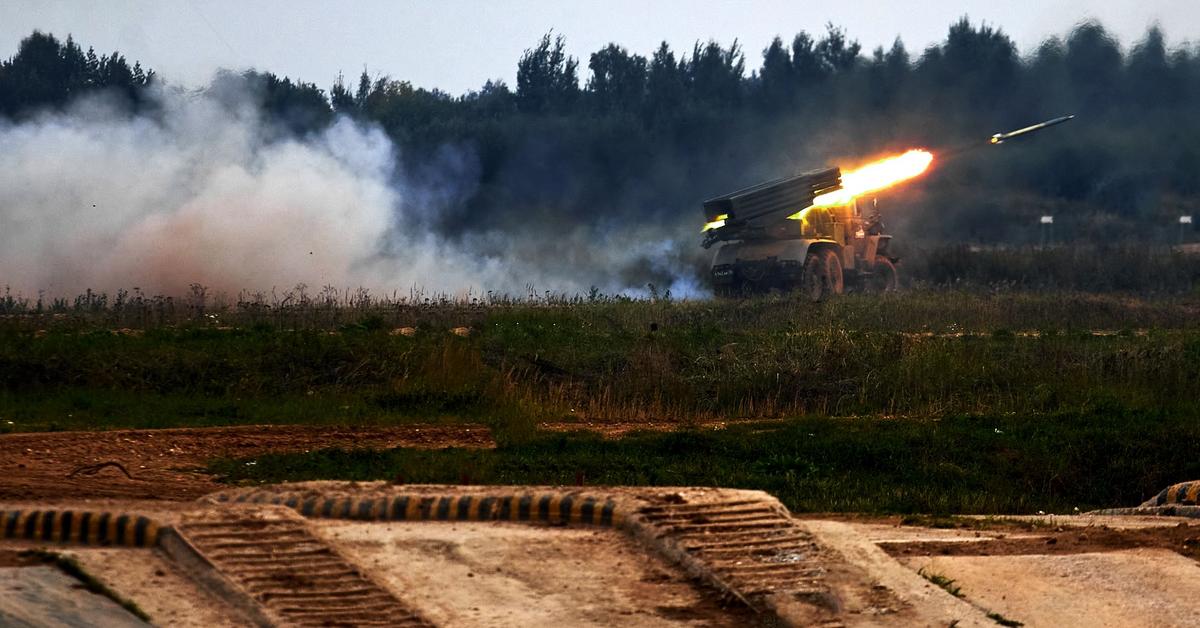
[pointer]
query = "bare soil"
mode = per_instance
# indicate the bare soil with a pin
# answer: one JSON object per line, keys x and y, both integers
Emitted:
{"x": 168, "y": 464}
{"x": 1182, "y": 538}
{"x": 18, "y": 558}
{"x": 618, "y": 429}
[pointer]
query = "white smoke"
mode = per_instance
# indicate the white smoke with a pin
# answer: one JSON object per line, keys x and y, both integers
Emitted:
{"x": 203, "y": 192}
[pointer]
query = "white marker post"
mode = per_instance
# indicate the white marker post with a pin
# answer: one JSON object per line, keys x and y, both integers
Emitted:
{"x": 1047, "y": 223}
{"x": 1183, "y": 220}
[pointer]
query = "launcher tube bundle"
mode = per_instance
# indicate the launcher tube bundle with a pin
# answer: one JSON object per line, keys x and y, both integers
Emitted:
{"x": 748, "y": 213}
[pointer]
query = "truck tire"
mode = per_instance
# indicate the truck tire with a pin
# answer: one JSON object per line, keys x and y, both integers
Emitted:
{"x": 885, "y": 278}
{"x": 835, "y": 281}
{"x": 735, "y": 290}
{"x": 814, "y": 277}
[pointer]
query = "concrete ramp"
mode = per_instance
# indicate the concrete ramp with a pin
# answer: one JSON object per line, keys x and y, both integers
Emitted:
{"x": 44, "y": 597}
{"x": 272, "y": 557}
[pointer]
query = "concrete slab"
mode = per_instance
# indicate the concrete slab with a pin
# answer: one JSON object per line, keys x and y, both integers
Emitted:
{"x": 507, "y": 574}
{"x": 1127, "y": 589}
{"x": 148, "y": 579}
{"x": 44, "y": 597}
{"x": 924, "y": 603}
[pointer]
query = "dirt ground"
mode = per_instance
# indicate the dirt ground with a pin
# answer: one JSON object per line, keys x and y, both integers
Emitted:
{"x": 18, "y": 558}
{"x": 617, "y": 429}
{"x": 1009, "y": 540}
{"x": 167, "y": 464}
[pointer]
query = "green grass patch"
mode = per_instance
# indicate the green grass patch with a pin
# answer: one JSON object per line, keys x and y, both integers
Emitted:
{"x": 89, "y": 408}
{"x": 1004, "y": 621}
{"x": 960, "y": 464}
{"x": 942, "y": 581}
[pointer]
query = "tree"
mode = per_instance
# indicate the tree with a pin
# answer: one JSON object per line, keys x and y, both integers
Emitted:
{"x": 976, "y": 69}
{"x": 836, "y": 53}
{"x": 41, "y": 71}
{"x": 664, "y": 83}
{"x": 341, "y": 99}
{"x": 363, "y": 91}
{"x": 714, "y": 74}
{"x": 618, "y": 79}
{"x": 493, "y": 100}
{"x": 777, "y": 80}
{"x": 407, "y": 113}
{"x": 300, "y": 107}
{"x": 1151, "y": 81}
{"x": 807, "y": 64}
{"x": 1093, "y": 62}
{"x": 546, "y": 77}
{"x": 49, "y": 73}
{"x": 887, "y": 72}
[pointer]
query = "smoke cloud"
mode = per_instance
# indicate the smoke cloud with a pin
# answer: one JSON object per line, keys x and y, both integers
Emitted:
{"x": 204, "y": 191}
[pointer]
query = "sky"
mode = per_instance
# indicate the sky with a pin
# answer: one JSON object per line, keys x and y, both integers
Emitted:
{"x": 456, "y": 45}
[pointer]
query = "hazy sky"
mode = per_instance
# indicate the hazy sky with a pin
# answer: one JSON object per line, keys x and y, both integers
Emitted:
{"x": 456, "y": 45}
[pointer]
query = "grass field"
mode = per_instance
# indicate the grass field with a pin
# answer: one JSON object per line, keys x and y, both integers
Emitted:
{"x": 950, "y": 401}
{"x": 958, "y": 464}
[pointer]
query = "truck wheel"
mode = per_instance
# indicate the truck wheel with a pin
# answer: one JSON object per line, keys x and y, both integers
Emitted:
{"x": 814, "y": 277}
{"x": 835, "y": 282}
{"x": 885, "y": 278}
{"x": 735, "y": 290}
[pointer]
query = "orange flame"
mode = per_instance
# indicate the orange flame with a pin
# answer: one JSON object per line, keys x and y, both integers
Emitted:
{"x": 873, "y": 177}
{"x": 876, "y": 176}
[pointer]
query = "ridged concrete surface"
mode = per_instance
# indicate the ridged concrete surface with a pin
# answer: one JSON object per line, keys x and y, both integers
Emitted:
{"x": 294, "y": 575}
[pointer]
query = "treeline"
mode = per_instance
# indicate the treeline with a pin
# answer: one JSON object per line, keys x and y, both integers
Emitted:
{"x": 48, "y": 73}
{"x": 618, "y": 140}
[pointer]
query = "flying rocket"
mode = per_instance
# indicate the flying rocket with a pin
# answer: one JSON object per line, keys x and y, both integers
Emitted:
{"x": 1000, "y": 138}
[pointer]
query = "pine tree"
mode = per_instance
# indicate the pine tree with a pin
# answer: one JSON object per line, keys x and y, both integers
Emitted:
{"x": 341, "y": 99}
{"x": 664, "y": 84}
{"x": 777, "y": 80}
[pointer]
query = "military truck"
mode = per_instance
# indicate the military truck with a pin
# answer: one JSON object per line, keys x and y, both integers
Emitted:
{"x": 770, "y": 237}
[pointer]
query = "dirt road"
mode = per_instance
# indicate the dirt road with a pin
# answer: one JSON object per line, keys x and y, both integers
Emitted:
{"x": 169, "y": 463}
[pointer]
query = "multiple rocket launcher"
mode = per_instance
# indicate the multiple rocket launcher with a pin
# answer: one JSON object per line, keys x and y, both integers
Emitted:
{"x": 748, "y": 213}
